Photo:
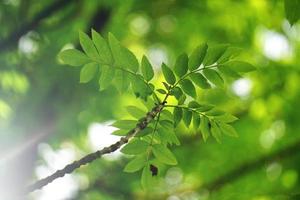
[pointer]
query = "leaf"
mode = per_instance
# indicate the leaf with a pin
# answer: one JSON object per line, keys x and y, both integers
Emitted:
{"x": 226, "y": 118}
{"x": 197, "y": 56}
{"x": 120, "y": 132}
{"x": 73, "y": 57}
{"x": 182, "y": 99}
{"x": 177, "y": 92}
{"x": 88, "y": 72}
{"x": 161, "y": 91}
{"x": 139, "y": 87}
{"x": 164, "y": 155}
{"x": 226, "y": 71}
{"x": 122, "y": 56}
{"x": 216, "y": 132}
{"x": 204, "y": 127}
{"x": 167, "y": 124}
{"x": 292, "y": 8}
{"x": 136, "y": 164}
{"x": 168, "y": 136}
{"x": 135, "y": 147}
{"x": 147, "y": 179}
{"x": 181, "y": 65}
{"x": 125, "y": 124}
{"x": 231, "y": 52}
{"x": 228, "y": 130}
{"x": 215, "y": 112}
{"x": 104, "y": 52}
{"x": 188, "y": 87}
{"x": 121, "y": 80}
{"x": 204, "y": 107}
{"x": 187, "y": 117}
{"x": 214, "y": 77}
{"x": 135, "y": 111}
{"x": 200, "y": 80}
{"x": 196, "y": 120}
{"x": 88, "y": 46}
{"x": 168, "y": 74}
{"x": 214, "y": 54}
{"x": 194, "y": 104}
{"x": 145, "y": 132}
{"x": 147, "y": 69}
{"x": 166, "y": 114}
{"x": 239, "y": 66}
{"x": 177, "y": 113}
{"x": 106, "y": 77}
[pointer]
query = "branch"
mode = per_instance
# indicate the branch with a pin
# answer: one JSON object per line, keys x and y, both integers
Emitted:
{"x": 143, "y": 123}
{"x": 250, "y": 166}
{"x": 14, "y": 37}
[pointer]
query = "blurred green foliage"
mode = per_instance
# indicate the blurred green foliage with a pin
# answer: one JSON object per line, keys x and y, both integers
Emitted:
{"x": 42, "y": 101}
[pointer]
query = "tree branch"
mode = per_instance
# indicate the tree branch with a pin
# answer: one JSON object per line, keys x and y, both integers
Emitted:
{"x": 143, "y": 123}
{"x": 248, "y": 167}
{"x": 14, "y": 37}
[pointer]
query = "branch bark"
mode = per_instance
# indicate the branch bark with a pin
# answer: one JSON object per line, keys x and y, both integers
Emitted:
{"x": 143, "y": 123}
{"x": 248, "y": 167}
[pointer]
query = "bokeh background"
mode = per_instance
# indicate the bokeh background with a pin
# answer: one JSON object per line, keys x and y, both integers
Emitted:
{"x": 48, "y": 119}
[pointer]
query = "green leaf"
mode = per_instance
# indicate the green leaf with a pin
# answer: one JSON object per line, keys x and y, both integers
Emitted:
{"x": 239, "y": 66}
{"x": 147, "y": 179}
{"x": 188, "y": 87}
{"x": 147, "y": 69}
{"x": 226, "y": 71}
{"x": 200, "y": 80}
{"x": 182, "y": 99}
{"x": 161, "y": 91}
{"x": 73, "y": 57}
{"x": 164, "y": 155}
{"x": 216, "y": 132}
{"x": 88, "y": 72}
{"x": 205, "y": 127}
{"x": 215, "y": 112}
{"x": 106, "y": 77}
{"x": 177, "y": 113}
{"x": 196, "y": 120}
{"x": 181, "y": 65}
{"x": 226, "y": 118}
{"x": 121, "y": 80}
{"x": 135, "y": 147}
{"x": 122, "y": 56}
{"x": 120, "y": 132}
{"x": 136, "y": 164}
{"x": 194, "y": 104}
{"x": 231, "y": 52}
{"x": 204, "y": 107}
{"x": 228, "y": 130}
{"x": 135, "y": 111}
{"x": 197, "y": 56}
{"x": 166, "y": 124}
{"x": 177, "y": 92}
{"x": 168, "y": 136}
{"x": 139, "y": 87}
{"x": 187, "y": 117}
{"x": 214, "y": 54}
{"x": 292, "y": 10}
{"x": 166, "y": 114}
{"x": 214, "y": 77}
{"x": 104, "y": 52}
{"x": 168, "y": 74}
{"x": 88, "y": 46}
{"x": 125, "y": 124}
{"x": 144, "y": 132}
